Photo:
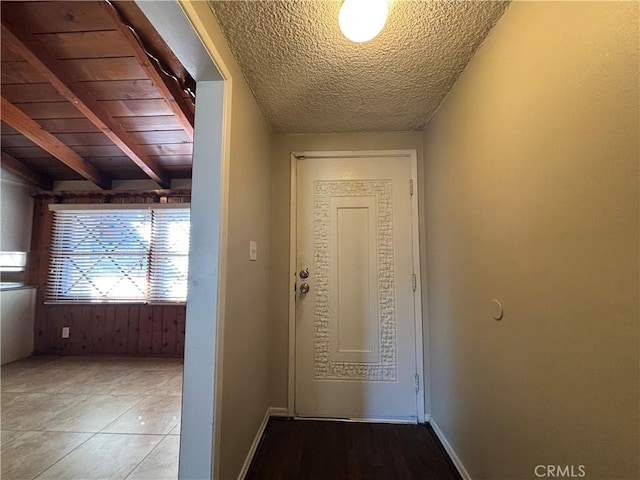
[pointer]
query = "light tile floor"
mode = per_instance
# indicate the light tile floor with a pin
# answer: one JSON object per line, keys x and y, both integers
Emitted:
{"x": 91, "y": 418}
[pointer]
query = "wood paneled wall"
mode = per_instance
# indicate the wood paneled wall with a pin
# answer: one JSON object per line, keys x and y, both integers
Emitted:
{"x": 119, "y": 329}
{"x": 124, "y": 329}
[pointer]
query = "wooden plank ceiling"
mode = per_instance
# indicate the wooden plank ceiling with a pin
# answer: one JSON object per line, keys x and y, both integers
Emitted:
{"x": 82, "y": 98}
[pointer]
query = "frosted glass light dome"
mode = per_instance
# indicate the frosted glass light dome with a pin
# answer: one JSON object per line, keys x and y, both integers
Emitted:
{"x": 362, "y": 20}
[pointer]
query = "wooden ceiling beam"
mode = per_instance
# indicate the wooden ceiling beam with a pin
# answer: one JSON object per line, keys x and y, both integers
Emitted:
{"x": 167, "y": 86}
{"x": 17, "y": 119}
{"x": 24, "y": 44}
{"x": 31, "y": 175}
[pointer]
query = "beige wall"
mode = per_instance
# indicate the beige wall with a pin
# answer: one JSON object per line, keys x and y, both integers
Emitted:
{"x": 282, "y": 147}
{"x": 16, "y": 212}
{"x": 532, "y": 199}
{"x": 245, "y": 361}
{"x": 246, "y": 330}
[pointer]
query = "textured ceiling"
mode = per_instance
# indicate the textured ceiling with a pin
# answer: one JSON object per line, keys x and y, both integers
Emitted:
{"x": 308, "y": 78}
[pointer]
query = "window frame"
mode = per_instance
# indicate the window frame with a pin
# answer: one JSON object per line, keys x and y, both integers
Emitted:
{"x": 110, "y": 207}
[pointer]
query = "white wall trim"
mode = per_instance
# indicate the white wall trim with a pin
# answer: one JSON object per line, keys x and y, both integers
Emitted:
{"x": 254, "y": 445}
{"x": 293, "y": 240}
{"x": 395, "y": 421}
{"x": 190, "y": 10}
{"x": 452, "y": 454}
{"x": 355, "y": 153}
{"x": 417, "y": 294}
{"x": 279, "y": 411}
{"x": 200, "y": 29}
{"x": 415, "y": 228}
{"x": 205, "y": 297}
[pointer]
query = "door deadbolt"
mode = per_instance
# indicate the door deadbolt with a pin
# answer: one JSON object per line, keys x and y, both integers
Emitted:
{"x": 304, "y": 273}
{"x": 304, "y": 288}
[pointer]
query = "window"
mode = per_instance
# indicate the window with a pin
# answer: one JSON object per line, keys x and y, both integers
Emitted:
{"x": 12, "y": 266}
{"x": 128, "y": 254}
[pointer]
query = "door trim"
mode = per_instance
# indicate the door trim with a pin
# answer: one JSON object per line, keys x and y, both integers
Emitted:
{"x": 417, "y": 304}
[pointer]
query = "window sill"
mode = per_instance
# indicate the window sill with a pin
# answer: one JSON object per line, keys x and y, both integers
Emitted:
{"x": 8, "y": 286}
{"x": 98, "y": 302}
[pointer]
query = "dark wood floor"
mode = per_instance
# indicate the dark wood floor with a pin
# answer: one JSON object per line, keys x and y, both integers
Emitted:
{"x": 307, "y": 450}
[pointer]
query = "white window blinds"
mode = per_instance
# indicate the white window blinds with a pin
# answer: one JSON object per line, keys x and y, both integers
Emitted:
{"x": 119, "y": 255}
{"x": 169, "y": 255}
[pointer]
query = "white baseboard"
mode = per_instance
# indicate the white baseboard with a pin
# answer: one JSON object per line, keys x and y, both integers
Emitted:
{"x": 279, "y": 411}
{"x": 254, "y": 446}
{"x": 403, "y": 421}
{"x": 447, "y": 446}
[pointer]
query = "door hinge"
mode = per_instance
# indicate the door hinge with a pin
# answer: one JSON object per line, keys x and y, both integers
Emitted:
{"x": 411, "y": 187}
{"x": 415, "y": 282}
{"x": 417, "y": 383}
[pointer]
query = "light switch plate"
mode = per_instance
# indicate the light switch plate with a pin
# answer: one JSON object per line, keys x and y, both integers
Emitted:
{"x": 253, "y": 251}
{"x": 65, "y": 332}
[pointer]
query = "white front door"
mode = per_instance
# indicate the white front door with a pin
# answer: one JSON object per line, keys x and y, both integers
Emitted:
{"x": 355, "y": 327}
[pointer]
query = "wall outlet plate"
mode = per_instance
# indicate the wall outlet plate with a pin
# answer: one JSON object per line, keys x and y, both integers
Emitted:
{"x": 65, "y": 332}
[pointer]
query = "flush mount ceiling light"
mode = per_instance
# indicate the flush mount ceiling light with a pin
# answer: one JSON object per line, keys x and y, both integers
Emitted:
{"x": 362, "y": 20}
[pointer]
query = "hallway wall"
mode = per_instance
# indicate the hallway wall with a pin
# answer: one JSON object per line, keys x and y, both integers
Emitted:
{"x": 531, "y": 170}
{"x": 245, "y": 393}
{"x": 282, "y": 146}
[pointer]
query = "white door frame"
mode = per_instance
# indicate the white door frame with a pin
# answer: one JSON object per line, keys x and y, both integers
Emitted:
{"x": 182, "y": 24}
{"x": 417, "y": 304}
